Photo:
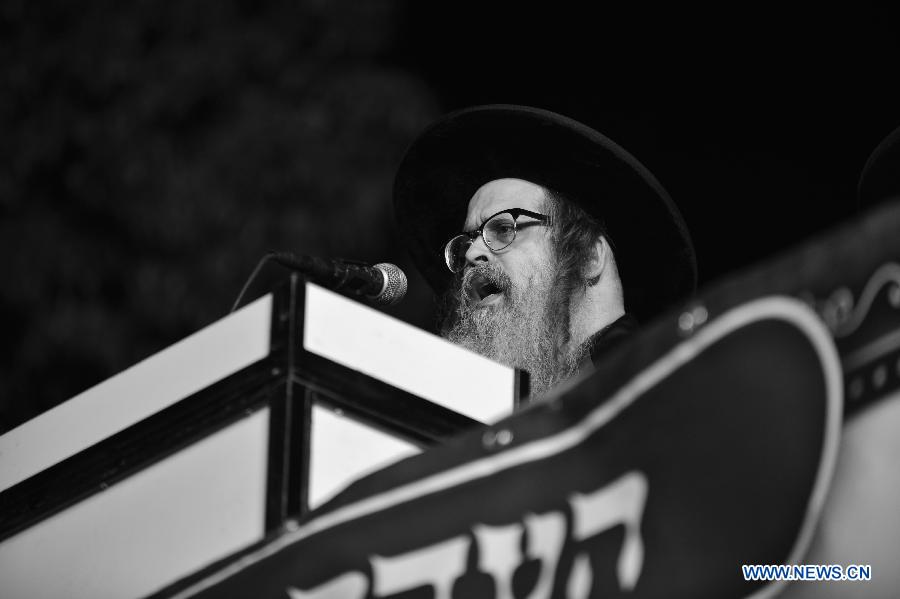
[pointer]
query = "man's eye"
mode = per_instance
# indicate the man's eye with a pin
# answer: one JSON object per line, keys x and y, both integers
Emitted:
{"x": 502, "y": 230}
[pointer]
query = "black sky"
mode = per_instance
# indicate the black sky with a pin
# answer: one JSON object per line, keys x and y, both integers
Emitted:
{"x": 152, "y": 152}
{"x": 758, "y": 123}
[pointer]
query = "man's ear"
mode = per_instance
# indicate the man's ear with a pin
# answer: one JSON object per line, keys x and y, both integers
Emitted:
{"x": 596, "y": 265}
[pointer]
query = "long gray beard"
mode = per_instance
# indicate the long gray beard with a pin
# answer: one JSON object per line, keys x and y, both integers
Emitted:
{"x": 529, "y": 329}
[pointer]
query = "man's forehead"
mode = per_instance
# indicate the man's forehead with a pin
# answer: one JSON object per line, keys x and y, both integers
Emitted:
{"x": 500, "y": 194}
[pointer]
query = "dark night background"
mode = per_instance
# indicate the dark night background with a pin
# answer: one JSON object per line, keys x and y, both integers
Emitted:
{"x": 152, "y": 152}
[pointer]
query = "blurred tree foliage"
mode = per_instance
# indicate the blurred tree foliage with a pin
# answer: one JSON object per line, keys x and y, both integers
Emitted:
{"x": 152, "y": 152}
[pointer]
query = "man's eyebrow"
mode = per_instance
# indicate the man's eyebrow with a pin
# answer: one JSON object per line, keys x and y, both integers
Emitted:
{"x": 478, "y": 222}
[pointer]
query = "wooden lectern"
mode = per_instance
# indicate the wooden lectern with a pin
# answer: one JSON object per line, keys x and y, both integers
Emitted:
{"x": 203, "y": 449}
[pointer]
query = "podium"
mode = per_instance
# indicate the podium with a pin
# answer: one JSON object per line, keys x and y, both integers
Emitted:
{"x": 212, "y": 444}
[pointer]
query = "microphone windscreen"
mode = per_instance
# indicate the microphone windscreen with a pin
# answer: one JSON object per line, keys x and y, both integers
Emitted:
{"x": 394, "y": 284}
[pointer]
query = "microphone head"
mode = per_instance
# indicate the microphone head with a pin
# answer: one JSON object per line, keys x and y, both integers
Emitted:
{"x": 394, "y": 284}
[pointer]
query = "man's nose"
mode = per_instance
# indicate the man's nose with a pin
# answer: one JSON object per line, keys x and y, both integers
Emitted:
{"x": 477, "y": 252}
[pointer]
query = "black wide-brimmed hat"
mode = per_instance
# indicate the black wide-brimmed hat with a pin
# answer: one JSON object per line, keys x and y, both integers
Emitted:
{"x": 880, "y": 178}
{"x": 455, "y": 156}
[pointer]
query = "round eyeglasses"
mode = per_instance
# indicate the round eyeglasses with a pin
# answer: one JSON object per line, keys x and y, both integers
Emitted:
{"x": 498, "y": 232}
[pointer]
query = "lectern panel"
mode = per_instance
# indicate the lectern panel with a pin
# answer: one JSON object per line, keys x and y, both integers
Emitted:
{"x": 406, "y": 357}
{"x": 162, "y": 523}
{"x": 343, "y": 449}
{"x": 146, "y": 388}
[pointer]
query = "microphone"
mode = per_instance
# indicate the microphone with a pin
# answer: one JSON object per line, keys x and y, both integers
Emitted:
{"x": 383, "y": 283}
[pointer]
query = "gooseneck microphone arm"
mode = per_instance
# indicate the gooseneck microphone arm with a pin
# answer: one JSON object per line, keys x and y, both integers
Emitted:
{"x": 339, "y": 275}
{"x": 382, "y": 283}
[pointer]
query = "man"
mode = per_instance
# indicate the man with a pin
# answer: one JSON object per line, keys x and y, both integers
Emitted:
{"x": 545, "y": 241}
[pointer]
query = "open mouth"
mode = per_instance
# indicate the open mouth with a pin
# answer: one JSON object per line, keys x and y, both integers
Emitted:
{"x": 483, "y": 290}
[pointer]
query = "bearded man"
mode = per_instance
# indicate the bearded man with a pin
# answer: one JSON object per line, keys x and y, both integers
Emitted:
{"x": 544, "y": 240}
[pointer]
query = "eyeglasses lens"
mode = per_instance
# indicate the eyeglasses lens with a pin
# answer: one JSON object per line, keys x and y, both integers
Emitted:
{"x": 500, "y": 231}
{"x": 455, "y": 252}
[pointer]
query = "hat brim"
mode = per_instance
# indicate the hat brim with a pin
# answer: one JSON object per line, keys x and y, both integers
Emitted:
{"x": 454, "y": 157}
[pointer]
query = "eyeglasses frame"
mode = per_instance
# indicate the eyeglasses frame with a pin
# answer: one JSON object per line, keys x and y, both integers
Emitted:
{"x": 471, "y": 235}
